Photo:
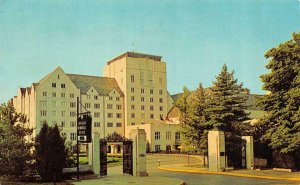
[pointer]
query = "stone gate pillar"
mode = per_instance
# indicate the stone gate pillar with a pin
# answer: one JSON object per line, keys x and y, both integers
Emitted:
{"x": 138, "y": 137}
{"x": 216, "y": 150}
{"x": 249, "y": 152}
{"x": 94, "y": 154}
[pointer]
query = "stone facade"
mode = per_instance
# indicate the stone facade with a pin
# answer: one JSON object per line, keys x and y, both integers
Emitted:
{"x": 133, "y": 93}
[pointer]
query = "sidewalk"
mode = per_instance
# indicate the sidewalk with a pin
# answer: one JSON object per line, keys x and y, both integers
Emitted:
{"x": 262, "y": 174}
{"x": 117, "y": 179}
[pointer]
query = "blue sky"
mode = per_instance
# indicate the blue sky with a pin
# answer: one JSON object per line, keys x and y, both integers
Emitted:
{"x": 195, "y": 38}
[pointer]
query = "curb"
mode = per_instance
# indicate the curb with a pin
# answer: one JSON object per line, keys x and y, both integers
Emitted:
{"x": 229, "y": 174}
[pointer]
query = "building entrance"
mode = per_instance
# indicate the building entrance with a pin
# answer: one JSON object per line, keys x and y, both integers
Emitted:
{"x": 105, "y": 146}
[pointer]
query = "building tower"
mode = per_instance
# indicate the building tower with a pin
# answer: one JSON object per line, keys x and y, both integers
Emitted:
{"x": 143, "y": 80}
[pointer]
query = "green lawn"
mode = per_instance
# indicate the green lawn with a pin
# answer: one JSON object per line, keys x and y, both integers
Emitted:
{"x": 111, "y": 160}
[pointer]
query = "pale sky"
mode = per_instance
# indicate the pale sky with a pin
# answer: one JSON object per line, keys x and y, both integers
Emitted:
{"x": 195, "y": 38}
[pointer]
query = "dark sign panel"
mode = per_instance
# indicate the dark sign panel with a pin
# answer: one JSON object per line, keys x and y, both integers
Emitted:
{"x": 84, "y": 128}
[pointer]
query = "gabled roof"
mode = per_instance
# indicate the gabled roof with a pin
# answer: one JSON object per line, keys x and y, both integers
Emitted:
{"x": 103, "y": 85}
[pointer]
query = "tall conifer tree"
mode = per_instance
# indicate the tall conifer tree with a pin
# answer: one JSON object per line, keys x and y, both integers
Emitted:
{"x": 282, "y": 104}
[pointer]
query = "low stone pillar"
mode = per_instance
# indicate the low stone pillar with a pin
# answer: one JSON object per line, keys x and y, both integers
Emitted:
{"x": 138, "y": 137}
{"x": 249, "y": 152}
{"x": 216, "y": 150}
{"x": 96, "y": 154}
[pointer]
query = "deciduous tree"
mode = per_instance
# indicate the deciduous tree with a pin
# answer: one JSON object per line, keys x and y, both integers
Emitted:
{"x": 282, "y": 104}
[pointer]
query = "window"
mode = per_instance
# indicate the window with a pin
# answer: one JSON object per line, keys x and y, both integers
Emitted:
{"x": 143, "y": 115}
{"x": 157, "y": 135}
{"x": 151, "y": 99}
{"x": 73, "y": 114}
{"x": 63, "y": 113}
{"x": 160, "y": 100}
{"x": 151, "y": 107}
{"x": 119, "y": 107}
{"x": 109, "y": 106}
{"x": 53, "y": 103}
{"x": 88, "y": 97}
{"x": 157, "y": 148}
{"x": 142, "y": 99}
{"x": 53, "y": 113}
{"x": 73, "y": 136}
{"x": 151, "y": 116}
{"x": 96, "y": 124}
{"x": 109, "y": 124}
{"x": 132, "y": 115}
{"x": 63, "y": 86}
{"x": 43, "y": 103}
{"x": 132, "y": 123}
{"x": 63, "y": 104}
{"x": 151, "y": 91}
{"x": 117, "y": 98}
{"x": 95, "y": 97}
{"x": 72, "y": 104}
{"x": 63, "y": 95}
{"x": 142, "y": 107}
{"x": 177, "y": 135}
{"x": 72, "y": 95}
{"x": 168, "y": 135}
{"x": 43, "y": 113}
{"x": 110, "y": 98}
{"x": 87, "y": 105}
{"x": 160, "y": 80}
{"x": 142, "y": 90}
{"x": 142, "y": 77}
{"x": 119, "y": 115}
{"x": 161, "y": 116}
{"x": 54, "y": 85}
{"x": 110, "y": 115}
{"x": 63, "y": 134}
{"x": 132, "y": 98}
{"x": 96, "y": 106}
{"x": 54, "y": 94}
{"x": 132, "y": 107}
{"x": 118, "y": 124}
{"x": 44, "y": 93}
{"x": 62, "y": 123}
{"x": 96, "y": 114}
{"x": 160, "y": 108}
{"x": 73, "y": 124}
{"x": 150, "y": 77}
{"x": 132, "y": 89}
{"x": 132, "y": 78}
{"x": 160, "y": 92}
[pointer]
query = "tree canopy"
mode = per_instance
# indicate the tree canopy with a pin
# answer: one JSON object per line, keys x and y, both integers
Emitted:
{"x": 15, "y": 143}
{"x": 282, "y": 104}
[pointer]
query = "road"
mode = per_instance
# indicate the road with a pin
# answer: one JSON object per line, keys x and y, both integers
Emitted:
{"x": 196, "y": 179}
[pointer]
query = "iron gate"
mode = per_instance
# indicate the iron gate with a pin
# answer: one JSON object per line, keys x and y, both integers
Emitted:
{"x": 127, "y": 157}
{"x": 103, "y": 157}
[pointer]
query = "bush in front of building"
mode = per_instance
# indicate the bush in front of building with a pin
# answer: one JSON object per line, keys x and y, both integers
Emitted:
{"x": 50, "y": 153}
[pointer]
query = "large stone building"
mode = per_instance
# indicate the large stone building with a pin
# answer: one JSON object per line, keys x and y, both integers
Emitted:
{"x": 133, "y": 93}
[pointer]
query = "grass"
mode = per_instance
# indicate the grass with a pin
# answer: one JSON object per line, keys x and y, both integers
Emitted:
{"x": 112, "y": 160}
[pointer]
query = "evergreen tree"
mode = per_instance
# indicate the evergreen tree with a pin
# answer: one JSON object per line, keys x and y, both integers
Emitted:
{"x": 15, "y": 143}
{"x": 282, "y": 119}
{"x": 226, "y": 104}
{"x": 50, "y": 153}
{"x": 226, "y": 111}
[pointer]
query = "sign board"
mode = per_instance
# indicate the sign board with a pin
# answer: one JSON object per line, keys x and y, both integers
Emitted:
{"x": 84, "y": 129}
